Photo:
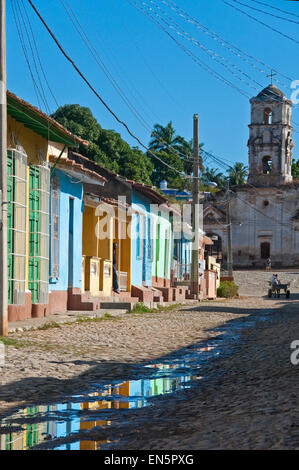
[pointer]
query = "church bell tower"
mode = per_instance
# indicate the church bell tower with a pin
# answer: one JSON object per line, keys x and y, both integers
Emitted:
{"x": 270, "y": 141}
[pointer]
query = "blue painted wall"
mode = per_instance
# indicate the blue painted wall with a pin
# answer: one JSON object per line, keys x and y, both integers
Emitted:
{"x": 183, "y": 254}
{"x": 141, "y": 261}
{"x": 69, "y": 188}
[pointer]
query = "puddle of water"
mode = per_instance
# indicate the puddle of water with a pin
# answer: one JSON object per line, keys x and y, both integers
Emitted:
{"x": 46, "y": 423}
{"x": 63, "y": 419}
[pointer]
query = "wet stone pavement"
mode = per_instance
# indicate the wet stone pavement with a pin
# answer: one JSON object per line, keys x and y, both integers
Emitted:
{"x": 236, "y": 388}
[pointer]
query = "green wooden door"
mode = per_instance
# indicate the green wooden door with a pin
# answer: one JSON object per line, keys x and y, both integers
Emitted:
{"x": 10, "y": 182}
{"x": 34, "y": 206}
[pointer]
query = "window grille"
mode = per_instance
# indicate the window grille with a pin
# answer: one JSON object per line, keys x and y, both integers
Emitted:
{"x": 54, "y": 258}
{"x": 150, "y": 254}
{"x": 16, "y": 225}
{"x": 140, "y": 236}
{"x": 39, "y": 186}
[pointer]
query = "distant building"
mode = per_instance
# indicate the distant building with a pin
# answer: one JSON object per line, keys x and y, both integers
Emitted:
{"x": 175, "y": 193}
{"x": 265, "y": 211}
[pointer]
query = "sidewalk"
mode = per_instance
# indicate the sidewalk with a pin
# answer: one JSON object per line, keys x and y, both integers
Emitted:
{"x": 68, "y": 317}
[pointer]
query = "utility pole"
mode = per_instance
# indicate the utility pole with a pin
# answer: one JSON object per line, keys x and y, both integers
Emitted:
{"x": 229, "y": 235}
{"x": 195, "y": 210}
{"x": 3, "y": 177}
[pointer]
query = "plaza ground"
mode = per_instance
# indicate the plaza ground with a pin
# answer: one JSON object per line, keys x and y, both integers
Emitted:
{"x": 247, "y": 399}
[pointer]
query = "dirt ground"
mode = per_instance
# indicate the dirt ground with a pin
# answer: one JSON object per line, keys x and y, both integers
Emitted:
{"x": 45, "y": 364}
{"x": 248, "y": 400}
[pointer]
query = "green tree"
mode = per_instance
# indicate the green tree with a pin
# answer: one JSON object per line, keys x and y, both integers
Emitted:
{"x": 295, "y": 168}
{"x": 211, "y": 175}
{"x": 106, "y": 147}
{"x": 172, "y": 175}
{"x": 176, "y": 151}
{"x": 78, "y": 120}
{"x": 237, "y": 174}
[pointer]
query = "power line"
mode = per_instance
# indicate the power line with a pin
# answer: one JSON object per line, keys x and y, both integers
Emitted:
{"x": 275, "y": 97}
{"x": 38, "y": 56}
{"x": 82, "y": 33}
{"x": 22, "y": 42}
{"x": 42, "y": 92}
{"x": 260, "y": 22}
{"x": 266, "y": 12}
{"x": 215, "y": 56}
{"x": 198, "y": 61}
{"x": 275, "y": 8}
{"x": 224, "y": 43}
{"x": 97, "y": 94}
{"x": 220, "y": 162}
{"x": 100, "y": 62}
{"x": 262, "y": 213}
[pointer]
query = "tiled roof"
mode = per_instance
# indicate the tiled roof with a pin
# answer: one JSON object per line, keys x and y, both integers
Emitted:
{"x": 145, "y": 189}
{"x": 77, "y": 166}
{"x": 39, "y": 121}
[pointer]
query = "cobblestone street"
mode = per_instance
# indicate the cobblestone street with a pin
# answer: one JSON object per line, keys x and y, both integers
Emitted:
{"x": 243, "y": 397}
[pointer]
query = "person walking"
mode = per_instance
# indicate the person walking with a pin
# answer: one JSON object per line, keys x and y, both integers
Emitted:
{"x": 115, "y": 278}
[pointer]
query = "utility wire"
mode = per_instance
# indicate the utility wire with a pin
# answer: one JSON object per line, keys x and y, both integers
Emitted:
{"x": 223, "y": 61}
{"x": 42, "y": 92}
{"x": 266, "y": 12}
{"x": 260, "y": 22}
{"x": 97, "y": 94}
{"x": 100, "y": 62}
{"x": 38, "y": 56}
{"x": 194, "y": 57}
{"x": 22, "y": 42}
{"x": 276, "y": 8}
{"x": 78, "y": 27}
{"x": 198, "y": 61}
{"x": 224, "y": 43}
{"x": 220, "y": 162}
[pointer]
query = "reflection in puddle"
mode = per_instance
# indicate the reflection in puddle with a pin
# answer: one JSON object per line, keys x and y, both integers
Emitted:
{"x": 45, "y": 424}
{"x": 61, "y": 420}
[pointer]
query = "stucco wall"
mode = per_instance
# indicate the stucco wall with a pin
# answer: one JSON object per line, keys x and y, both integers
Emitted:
{"x": 140, "y": 204}
{"x": 162, "y": 247}
{"x": 253, "y": 223}
{"x": 69, "y": 188}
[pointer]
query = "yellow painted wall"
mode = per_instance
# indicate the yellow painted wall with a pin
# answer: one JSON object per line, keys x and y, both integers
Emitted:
{"x": 90, "y": 245}
{"x": 125, "y": 247}
{"x": 35, "y": 146}
{"x": 36, "y": 149}
{"x": 93, "y": 246}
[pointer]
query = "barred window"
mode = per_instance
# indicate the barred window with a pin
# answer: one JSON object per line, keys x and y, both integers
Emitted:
{"x": 39, "y": 186}
{"x": 54, "y": 256}
{"x": 140, "y": 235}
{"x": 16, "y": 225}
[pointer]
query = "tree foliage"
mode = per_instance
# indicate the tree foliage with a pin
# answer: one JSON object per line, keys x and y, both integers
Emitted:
{"x": 295, "y": 168}
{"x": 237, "y": 174}
{"x": 106, "y": 147}
{"x": 177, "y": 152}
{"x": 211, "y": 175}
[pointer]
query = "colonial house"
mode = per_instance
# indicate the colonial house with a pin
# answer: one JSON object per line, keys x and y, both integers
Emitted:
{"x": 65, "y": 213}
{"x": 66, "y": 231}
{"x": 32, "y": 136}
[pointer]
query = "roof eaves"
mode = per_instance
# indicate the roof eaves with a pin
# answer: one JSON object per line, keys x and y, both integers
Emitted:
{"x": 40, "y": 122}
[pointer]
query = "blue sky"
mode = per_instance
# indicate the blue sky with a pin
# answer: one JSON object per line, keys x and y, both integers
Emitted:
{"x": 160, "y": 80}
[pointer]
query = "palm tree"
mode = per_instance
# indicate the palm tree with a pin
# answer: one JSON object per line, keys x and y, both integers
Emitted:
{"x": 165, "y": 139}
{"x": 214, "y": 176}
{"x": 237, "y": 174}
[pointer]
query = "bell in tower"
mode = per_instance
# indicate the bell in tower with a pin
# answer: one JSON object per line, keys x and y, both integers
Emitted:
{"x": 270, "y": 141}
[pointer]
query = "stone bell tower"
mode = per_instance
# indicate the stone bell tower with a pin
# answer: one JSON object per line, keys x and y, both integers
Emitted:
{"x": 270, "y": 141}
